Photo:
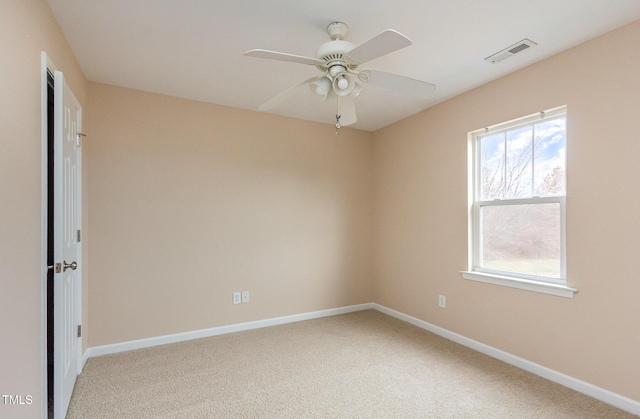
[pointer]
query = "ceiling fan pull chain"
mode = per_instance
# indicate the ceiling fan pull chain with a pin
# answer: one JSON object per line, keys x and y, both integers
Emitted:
{"x": 337, "y": 115}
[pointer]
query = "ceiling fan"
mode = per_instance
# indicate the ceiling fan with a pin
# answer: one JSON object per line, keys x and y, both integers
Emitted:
{"x": 342, "y": 77}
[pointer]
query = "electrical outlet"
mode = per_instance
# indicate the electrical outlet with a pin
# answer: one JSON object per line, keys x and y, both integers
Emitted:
{"x": 237, "y": 298}
{"x": 245, "y": 296}
{"x": 442, "y": 301}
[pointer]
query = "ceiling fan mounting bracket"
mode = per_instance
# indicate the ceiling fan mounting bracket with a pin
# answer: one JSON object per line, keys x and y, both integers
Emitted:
{"x": 337, "y": 30}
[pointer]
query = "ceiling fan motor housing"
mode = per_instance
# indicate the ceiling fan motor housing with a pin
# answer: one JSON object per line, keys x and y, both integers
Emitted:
{"x": 331, "y": 53}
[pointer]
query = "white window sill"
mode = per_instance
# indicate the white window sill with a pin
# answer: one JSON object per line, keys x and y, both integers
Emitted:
{"x": 524, "y": 284}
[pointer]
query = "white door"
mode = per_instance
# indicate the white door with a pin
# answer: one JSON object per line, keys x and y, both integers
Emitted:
{"x": 67, "y": 250}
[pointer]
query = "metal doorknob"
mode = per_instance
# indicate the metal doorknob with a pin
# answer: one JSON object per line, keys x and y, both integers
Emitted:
{"x": 73, "y": 265}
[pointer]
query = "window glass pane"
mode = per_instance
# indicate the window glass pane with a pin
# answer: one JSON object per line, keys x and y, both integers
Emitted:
{"x": 522, "y": 238}
{"x": 492, "y": 166}
{"x": 519, "y": 180}
{"x": 550, "y": 146}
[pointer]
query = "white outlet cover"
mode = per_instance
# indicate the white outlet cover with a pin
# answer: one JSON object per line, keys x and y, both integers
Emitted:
{"x": 442, "y": 301}
{"x": 237, "y": 298}
{"x": 245, "y": 296}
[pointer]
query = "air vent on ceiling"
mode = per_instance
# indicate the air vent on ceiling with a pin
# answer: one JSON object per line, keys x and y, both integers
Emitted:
{"x": 511, "y": 50}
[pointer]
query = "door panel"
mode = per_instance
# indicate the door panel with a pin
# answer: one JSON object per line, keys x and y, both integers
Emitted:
{"x": 67, "y": 251}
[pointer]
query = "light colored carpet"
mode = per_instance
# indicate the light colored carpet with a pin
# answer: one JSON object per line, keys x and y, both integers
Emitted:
{"x": 359, "y": 365}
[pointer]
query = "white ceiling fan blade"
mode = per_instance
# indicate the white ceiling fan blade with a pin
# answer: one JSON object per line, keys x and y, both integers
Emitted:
{"x": 382, "y": 44}
{"x": 281, "y": 56}
{"x": 284, "y": 95}
{"x": 347, "y": 109}
{"x": 397, "y": 83}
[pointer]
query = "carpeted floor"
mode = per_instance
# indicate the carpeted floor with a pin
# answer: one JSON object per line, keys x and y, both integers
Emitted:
{"x": 359, "y": 365}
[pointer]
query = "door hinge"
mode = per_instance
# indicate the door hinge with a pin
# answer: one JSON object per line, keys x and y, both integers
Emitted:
{"x": 79, "y": 330}
{"x": 79, "y": 236}
{"x": 79, "y": 136}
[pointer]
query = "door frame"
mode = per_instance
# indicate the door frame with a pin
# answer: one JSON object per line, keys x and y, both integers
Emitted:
{"x": 47, "y": 66}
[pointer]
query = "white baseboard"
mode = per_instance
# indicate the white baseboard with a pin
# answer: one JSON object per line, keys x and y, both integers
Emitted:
{"x": 204, "y": 333}
{"x": 85, "y": 356}
{"x": 606, "y": 396}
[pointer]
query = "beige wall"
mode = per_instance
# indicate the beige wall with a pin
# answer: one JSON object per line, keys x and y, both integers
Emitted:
{"x": 190, "y": 202}
{"x": 421, "y": 216}
{"x": 27, "y": 27}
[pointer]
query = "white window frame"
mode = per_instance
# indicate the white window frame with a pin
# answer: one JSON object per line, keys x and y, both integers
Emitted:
{"x": 475, "y": 272}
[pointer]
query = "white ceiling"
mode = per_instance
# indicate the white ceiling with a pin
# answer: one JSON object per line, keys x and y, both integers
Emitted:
{"x": 194, "y": 48}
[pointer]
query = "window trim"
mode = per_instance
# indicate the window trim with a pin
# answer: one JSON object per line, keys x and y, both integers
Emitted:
{"x": 553, "y": 286}
{"x": 523, "y": 284}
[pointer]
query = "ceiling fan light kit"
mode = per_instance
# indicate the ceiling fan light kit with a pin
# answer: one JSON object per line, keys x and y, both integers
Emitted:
{"x": 339, "y": 60}
{"x": 321, "y": 86}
